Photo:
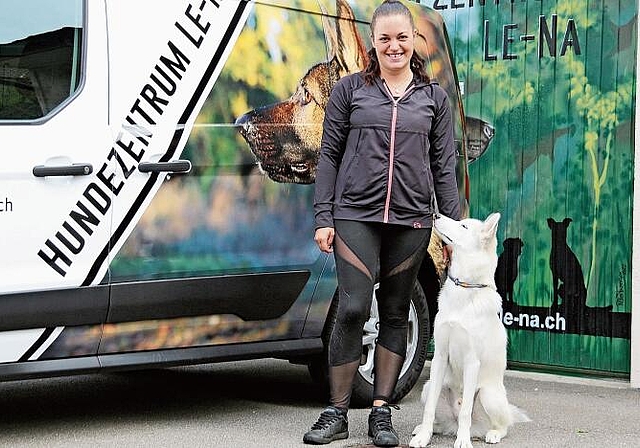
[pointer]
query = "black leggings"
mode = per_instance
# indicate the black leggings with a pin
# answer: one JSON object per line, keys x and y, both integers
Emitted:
{"x": 362, "y": 250}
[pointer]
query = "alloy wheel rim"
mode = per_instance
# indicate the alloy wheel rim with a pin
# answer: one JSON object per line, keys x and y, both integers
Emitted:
{"x": 370, "y": 337}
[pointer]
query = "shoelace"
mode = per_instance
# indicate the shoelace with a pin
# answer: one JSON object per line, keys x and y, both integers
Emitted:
{"x": 325, "y": 420}
{"x": 382, "y": 421}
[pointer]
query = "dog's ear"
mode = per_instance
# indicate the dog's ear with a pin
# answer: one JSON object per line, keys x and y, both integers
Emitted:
{"x": 490, "y": 226}
{"x": 330, "y": 36}
{"x": 345, "y": 45}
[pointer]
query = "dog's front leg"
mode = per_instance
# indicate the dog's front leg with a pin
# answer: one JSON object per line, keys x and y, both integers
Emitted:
{"x": 436, "y": 378}
{"x": 469, "y": 386}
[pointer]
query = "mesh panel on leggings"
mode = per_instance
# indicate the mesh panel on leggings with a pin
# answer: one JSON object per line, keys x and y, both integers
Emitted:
{"x": 340, "y": 383}
{"x": 387, "y": 371}
{"x": 344, "y": 252}
{"x": 410, "y": 262}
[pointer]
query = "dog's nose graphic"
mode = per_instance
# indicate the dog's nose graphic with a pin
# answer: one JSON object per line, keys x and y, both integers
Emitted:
{"x": 242, "y": 120}
{"x": 245, "y": 125}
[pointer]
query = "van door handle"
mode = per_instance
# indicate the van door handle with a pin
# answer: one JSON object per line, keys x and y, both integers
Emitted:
{"x": 75, "y": 169}
{"x": 175, "y": 166}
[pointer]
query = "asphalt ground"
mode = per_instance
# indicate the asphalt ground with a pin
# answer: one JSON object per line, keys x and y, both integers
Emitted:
{"x": 271, "y": 403}
{"x": 565, "y": 412}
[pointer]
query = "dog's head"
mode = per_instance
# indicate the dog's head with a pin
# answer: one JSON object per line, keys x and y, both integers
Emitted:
{"x": 559, "y": 227}
{"x": 469, "y": 236}
{"x": 513, "y": 246}
{"x": 285, "y": 137}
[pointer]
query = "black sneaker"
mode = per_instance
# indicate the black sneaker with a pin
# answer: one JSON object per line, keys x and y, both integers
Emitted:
{"x": 331, "y": 425}
{"x": 380, "y": 427}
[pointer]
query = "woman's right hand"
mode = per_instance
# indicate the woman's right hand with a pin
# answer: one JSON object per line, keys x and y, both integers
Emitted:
{"x": 324, "y": 238}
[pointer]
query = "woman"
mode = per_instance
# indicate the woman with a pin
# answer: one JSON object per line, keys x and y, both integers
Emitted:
{"x": 387, "y": 147}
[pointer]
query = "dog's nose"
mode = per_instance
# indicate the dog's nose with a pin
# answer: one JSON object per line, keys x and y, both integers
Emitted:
{"x": 436, "y": 215}
{"x": 244, "y": 124}
{"x": 243, "y": 120}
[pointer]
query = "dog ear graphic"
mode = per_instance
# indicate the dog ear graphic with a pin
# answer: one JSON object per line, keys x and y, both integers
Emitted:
{"x": 330, "y": 35}
{"x": 344, "y": 44}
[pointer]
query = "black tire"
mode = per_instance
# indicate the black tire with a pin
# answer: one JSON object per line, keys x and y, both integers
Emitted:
{"x": 417, "y": 345}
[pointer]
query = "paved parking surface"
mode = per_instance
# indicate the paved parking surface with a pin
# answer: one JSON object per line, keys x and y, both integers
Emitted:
{"x": 271, "y": 403}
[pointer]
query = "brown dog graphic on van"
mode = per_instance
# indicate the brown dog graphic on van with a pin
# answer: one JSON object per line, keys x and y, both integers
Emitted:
{"x": 285, "y": 136}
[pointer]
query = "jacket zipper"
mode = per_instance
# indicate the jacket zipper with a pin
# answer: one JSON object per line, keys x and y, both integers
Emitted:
{"x": 392, "y": 148}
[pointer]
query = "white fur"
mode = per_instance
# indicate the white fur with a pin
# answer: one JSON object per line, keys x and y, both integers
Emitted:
{"x": 465, "y": 394}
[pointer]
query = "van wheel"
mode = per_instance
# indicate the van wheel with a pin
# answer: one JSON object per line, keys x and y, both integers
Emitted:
{"x": 417, "y": 345}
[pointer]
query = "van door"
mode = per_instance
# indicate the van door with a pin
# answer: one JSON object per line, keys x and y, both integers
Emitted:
{"x": 222, "y": 253}
{"x": 56, "y": 177}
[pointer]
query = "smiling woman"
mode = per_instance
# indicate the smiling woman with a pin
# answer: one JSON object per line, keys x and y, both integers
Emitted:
{"x": 392, "y": 57}
{"x": 393, "y": 40}
{"x": 387, "y": 149}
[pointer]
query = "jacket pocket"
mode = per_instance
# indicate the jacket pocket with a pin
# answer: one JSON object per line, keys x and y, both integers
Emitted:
{"x": 413, "y": 181}
{"x": 365, "y": 178}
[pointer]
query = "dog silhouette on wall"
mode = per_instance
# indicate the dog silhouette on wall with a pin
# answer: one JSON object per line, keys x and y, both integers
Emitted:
{"x": 507, "y": 269}
{"x": 569, "y": 291}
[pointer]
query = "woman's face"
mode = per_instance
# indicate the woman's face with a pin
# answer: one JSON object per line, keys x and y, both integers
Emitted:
{"x": 393, "y": 39}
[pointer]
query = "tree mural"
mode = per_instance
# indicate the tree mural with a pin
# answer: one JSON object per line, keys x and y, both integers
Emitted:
{"x": 556, "y": 79}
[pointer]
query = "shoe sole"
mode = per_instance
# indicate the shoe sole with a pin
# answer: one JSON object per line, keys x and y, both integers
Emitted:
{"x": 324, "y": 441}
{"x": 383, "y": 444}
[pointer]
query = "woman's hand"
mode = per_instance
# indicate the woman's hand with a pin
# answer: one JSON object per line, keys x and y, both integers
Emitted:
{"x": 324, "y": 238}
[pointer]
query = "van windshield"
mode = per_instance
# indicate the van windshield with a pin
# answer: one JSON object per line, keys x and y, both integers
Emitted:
{"x": 40, "y": 56}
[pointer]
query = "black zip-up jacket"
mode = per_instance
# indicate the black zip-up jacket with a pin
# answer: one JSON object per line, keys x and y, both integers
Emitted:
{"x": 382, "y": 159}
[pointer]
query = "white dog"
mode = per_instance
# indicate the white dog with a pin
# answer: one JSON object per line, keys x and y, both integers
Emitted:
{"x": 470, "y": 355}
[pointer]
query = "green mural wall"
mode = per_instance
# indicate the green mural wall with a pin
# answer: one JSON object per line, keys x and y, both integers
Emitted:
{"x": 556, "y": 79}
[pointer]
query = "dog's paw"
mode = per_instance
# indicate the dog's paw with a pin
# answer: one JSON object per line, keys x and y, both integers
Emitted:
{"x": 421, "y": 439}
{"x": 416, "y": 430}
{"x": 493, "y": 436}
{"x": 463, "y": 443}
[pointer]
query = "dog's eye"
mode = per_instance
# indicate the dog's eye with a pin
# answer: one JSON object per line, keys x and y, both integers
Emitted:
{"x": 464, "y": 226}
{"x": 306, "y": 97}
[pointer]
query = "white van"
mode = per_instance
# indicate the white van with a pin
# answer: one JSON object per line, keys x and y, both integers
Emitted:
{"x": 153, "y": 208}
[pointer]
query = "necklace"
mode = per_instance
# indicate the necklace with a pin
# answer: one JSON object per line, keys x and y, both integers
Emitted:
{"x": 399, "y": 87}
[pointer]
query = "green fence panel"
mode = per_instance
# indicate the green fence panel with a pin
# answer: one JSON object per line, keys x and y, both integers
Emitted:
{"x": 556, "y": 80}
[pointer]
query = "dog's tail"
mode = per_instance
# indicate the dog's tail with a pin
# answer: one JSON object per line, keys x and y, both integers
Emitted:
{"x": 518, "y": 415}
